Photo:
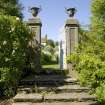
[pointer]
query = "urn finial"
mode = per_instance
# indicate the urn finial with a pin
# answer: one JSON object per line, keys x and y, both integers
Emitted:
{"x": 71, "y": 11}
{"x": 34, "y": 11}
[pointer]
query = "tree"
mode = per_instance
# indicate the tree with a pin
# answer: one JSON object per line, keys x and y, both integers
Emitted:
{"x": 50, "y": 52}
{"x": 89, "y": 60}
{"x": 98, "y": 9}
{"x": 11, "y": 7}
{"x": 50, "y": 43}
{"x": 98, "y": 19}
{"x": 98, "y": 30}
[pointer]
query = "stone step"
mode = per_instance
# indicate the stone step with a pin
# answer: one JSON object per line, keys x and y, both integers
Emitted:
{"x": 59, "y": 89}
{"x": 51, "y": 80}
{"x": 56, "y": 103}
{"x": 48, "y": 77}
{"x": 69, "y": 97}
{"x": 22, "y": 103}
{"x": 65, "y": 103}
{"x": 51, "y": 97}
{"x": 49, "y": 71}
{"x": 23, "y": 97}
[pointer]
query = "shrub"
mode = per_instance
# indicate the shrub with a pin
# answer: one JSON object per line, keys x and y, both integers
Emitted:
{"x": 90, "y": 64}
{"x": 89, "y": 59}
{"x": 9, "y": 81}
{"x": 100, "y": 93}
{"x": 45, "y": 58}
{"x": 14, "y": 38}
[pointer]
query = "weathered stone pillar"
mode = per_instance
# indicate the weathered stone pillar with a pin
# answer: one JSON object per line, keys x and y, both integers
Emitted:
{"x": 72, "y": 33}
{"x": 35, "y": 25}
{"x": 72, "y": 36}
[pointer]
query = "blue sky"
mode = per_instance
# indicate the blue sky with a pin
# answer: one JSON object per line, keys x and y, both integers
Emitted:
{"x": 53, "y": 14}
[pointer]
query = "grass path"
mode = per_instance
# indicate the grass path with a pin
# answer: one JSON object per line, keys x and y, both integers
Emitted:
{"x": 51, "y": 66}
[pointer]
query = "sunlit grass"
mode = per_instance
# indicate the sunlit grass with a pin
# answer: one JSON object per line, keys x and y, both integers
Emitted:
{"x": 51, "y": 66}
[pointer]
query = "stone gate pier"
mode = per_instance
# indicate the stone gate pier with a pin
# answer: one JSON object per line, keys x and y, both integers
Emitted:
{"x": 35, "y": 25}
{"x": 69, "y": 38}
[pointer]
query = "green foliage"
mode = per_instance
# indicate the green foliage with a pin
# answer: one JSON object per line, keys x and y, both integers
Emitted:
{"x": 98, "y": 8}
{"x": 45, "y": 58}
{"x": 89, "y": 60}
{"x": 14, "y": 38}
{"x": 51, "y": 43}
{"x": 11, "y": 7}
{"x": 98, "y": 19}
{"x": 9, "y": 80}
{"x": 100, "y": 93}
{"x": 13, "y": 42}
{"x": 50, "y": 52}
{"x": 91, "y": 68}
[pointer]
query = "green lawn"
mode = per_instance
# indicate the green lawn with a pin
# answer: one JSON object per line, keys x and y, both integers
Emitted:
{"x": 51, "y": 66}
{"x": 55, "y": 68}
